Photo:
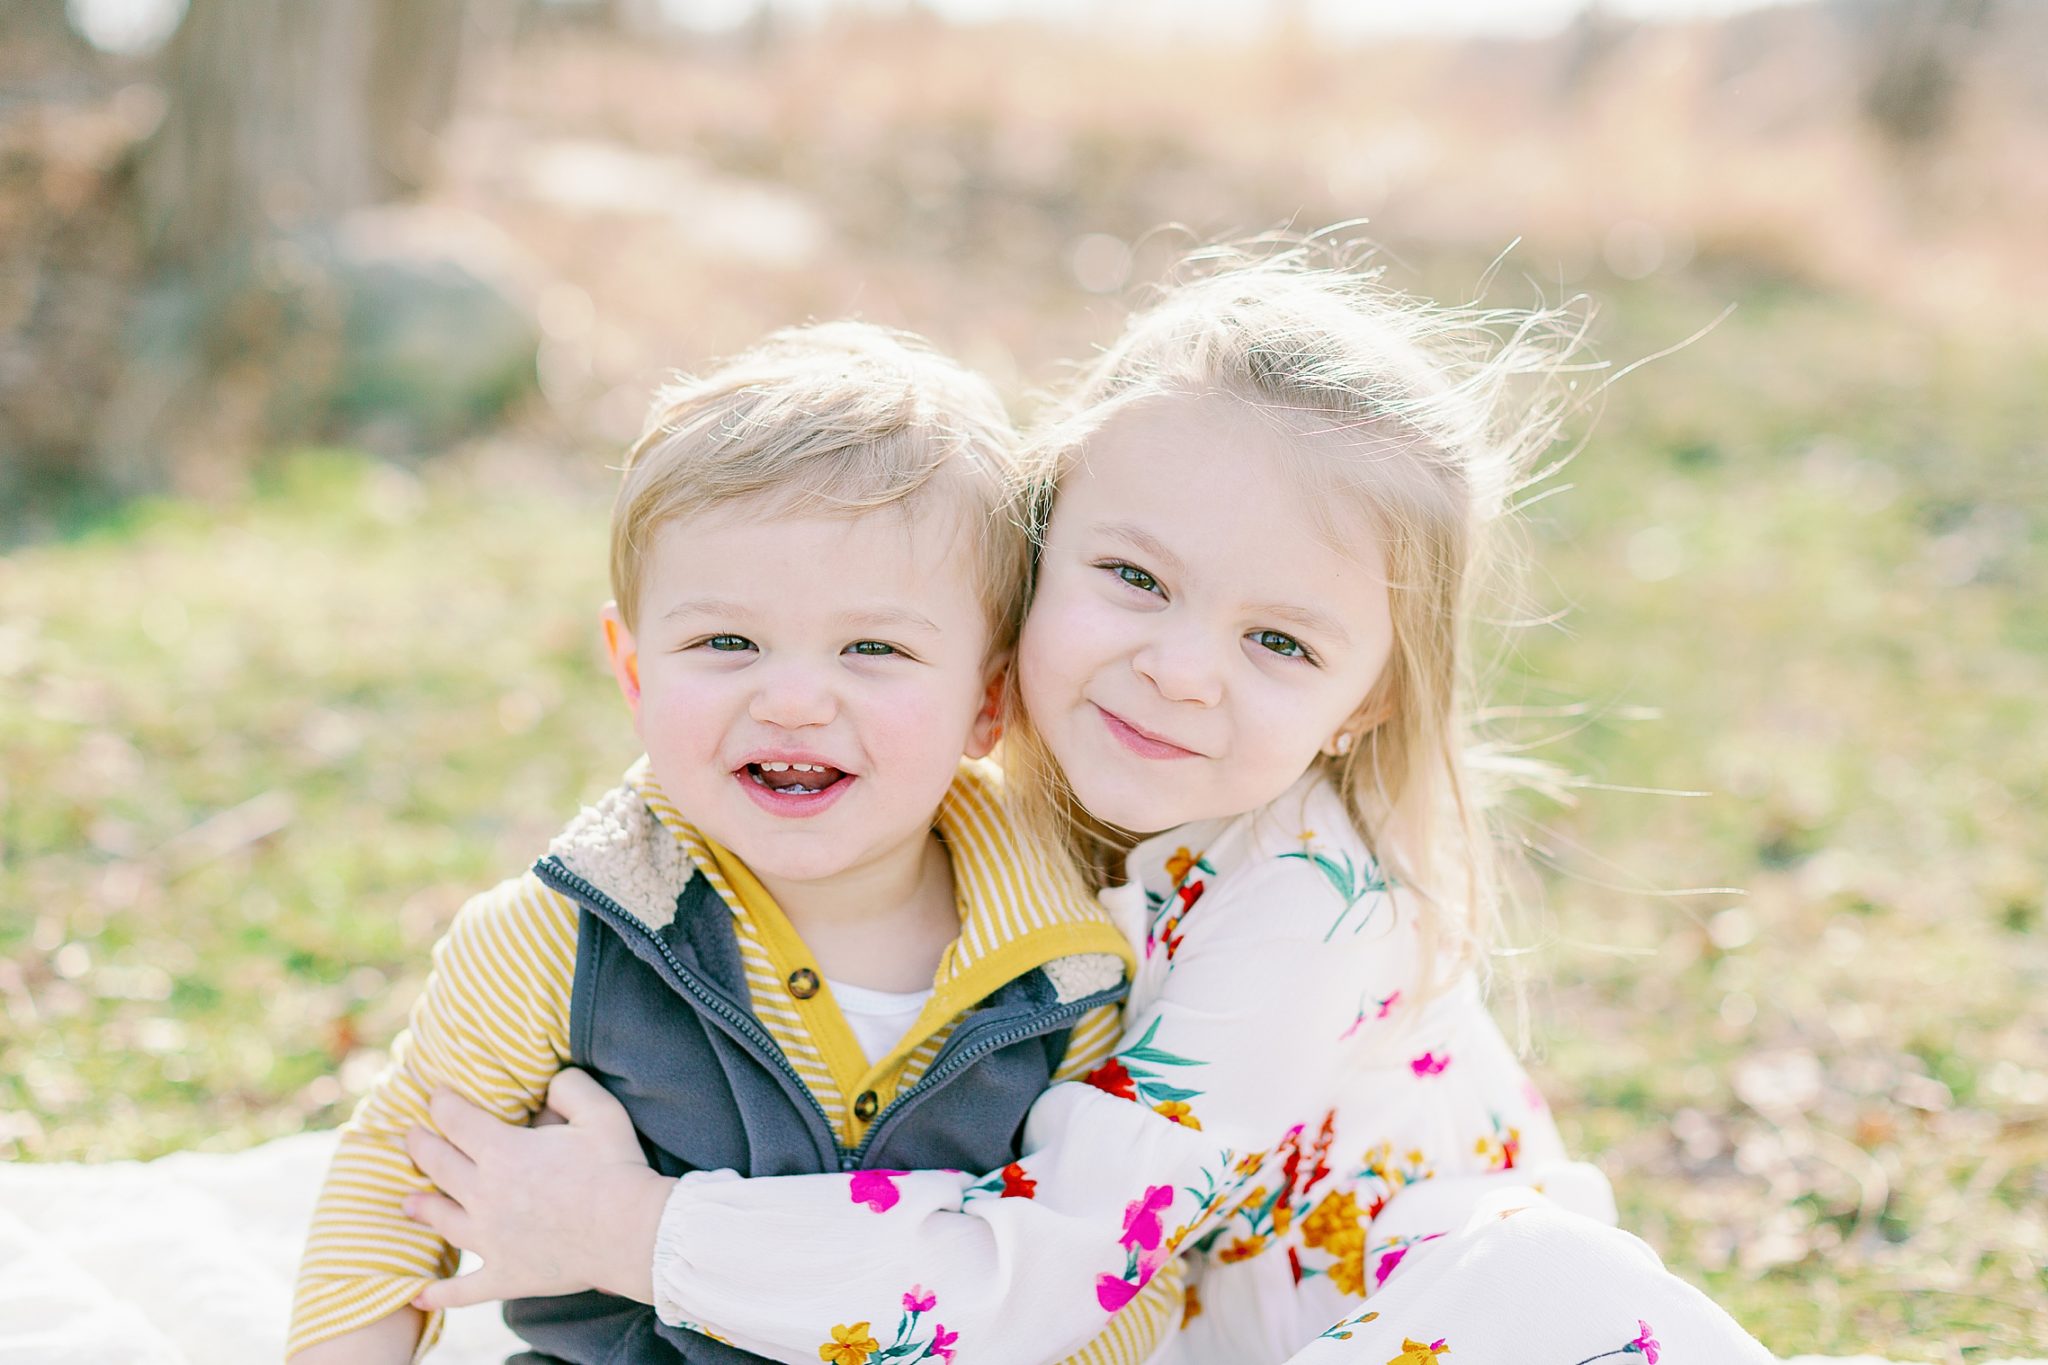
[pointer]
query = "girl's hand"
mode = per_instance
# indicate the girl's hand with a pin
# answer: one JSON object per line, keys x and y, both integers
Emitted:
{"x": 550, "y": 1210}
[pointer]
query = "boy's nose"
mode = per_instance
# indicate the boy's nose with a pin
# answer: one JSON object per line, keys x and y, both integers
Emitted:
{"x": 792, "y": 699}
{"x": 1181, "y": 670}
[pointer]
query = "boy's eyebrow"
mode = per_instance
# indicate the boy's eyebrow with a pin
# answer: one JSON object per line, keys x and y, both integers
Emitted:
{"x": 703, "y": 606}
{"x": 881, "y": 614}
{"x": 891, "y": 614}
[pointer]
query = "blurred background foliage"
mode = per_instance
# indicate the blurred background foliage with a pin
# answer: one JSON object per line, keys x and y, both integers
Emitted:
{"x": 320, "y": 324}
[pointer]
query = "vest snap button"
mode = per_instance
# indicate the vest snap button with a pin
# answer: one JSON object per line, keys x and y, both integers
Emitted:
{"x": 865, "y": 1106}
{"x": 803, "y": 983}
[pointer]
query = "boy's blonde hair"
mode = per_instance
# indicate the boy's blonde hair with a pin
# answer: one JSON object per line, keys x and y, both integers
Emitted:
{"x": 836, "y": 418}
{"x": 1415, "y": 418}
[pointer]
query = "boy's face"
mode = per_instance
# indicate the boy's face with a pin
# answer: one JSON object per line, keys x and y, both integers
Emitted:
{"x": 851, "y": 644}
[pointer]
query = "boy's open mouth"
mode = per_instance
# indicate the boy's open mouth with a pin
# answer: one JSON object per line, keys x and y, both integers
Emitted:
{"x": 794, "y": 779}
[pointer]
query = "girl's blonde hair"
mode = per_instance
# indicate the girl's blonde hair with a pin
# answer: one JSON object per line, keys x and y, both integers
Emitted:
{"x": 1427, "y": 420}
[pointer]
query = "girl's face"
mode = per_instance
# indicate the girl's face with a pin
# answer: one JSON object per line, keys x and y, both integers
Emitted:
{"x": 1193, "y": 643}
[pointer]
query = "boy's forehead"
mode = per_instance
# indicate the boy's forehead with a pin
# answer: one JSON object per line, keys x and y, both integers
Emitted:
{"x": 899, "y": 562}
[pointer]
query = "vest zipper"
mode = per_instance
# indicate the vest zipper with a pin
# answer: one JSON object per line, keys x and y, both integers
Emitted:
{"x": 569, "y": 883}
{"x": 966, "y": 1055}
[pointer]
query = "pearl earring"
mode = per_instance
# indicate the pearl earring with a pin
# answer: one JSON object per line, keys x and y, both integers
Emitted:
{"x": 1341, "y": 745}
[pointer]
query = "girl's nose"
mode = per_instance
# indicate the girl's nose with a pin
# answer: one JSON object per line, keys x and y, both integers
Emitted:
{"x": 1182, "y": 669}
{"x": 793, "y": 698}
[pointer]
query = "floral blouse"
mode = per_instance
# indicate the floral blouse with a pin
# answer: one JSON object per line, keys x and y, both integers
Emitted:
{"x": 1296, "y": 1105}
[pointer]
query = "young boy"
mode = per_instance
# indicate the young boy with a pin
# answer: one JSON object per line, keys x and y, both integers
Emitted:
{"x": 803, "y": 935}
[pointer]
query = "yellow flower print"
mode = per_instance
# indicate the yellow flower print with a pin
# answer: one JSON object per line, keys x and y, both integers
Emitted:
{"x": 1283, "y": 1218}
{"x": 1336, "y": 1215}
{"x": 1417, "y": 1353}
{"x": 1192, "y": 1309}
{"x": 1249, "y": 1163}
{"x": 1178, "y": 864}
{"x": 1178, "y": 1111}
{"x": 1347, "y": 1272}
{"x": 1243, "y": 1249}
{"x": 849, "y": 1346}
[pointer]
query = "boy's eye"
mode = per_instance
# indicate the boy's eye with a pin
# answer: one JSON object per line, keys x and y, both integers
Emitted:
{"x": 873, "y": 649}
{"x": 727, "y": 644}
{"x": 1135, "y": 576}
{"x": 1285, "y": 645}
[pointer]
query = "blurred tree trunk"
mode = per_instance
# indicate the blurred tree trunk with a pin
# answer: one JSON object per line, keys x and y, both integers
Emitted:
{"x": 282, "y": 112}
{"x": 1923, "y": 52}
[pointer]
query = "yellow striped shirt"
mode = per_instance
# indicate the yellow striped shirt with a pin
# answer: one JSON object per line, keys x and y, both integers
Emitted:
{"x": 492, "y": 1023}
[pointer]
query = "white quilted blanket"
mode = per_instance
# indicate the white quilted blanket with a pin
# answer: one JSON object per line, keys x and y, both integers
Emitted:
{"x": 188, "y": 1261}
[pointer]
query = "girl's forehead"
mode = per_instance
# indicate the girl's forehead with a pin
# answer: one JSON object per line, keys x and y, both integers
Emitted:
{"x": 1212, "y": 488}
{"x": 1218, "y": 451}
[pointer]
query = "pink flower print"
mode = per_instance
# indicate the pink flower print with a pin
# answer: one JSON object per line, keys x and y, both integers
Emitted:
{"x": 1141, "y": 1218}
{"x": 876, "y": 1189}
{"x": 918, "y": 1300}
{"x": 1387, "y": 1005}
{"x": 1533, "y": 1096}
{"x": 1644, "y": 1345}
{"x": 1429, "y": 1064}
{"x": 944, "y": 1342}
{"x": 1113, "y": 1292}
{"x": 1386, "y": 1266}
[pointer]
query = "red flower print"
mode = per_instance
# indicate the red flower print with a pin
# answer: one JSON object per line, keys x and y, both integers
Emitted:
{"x": 1429, "y": 1064}
{"x": 1016, "y": 1184}
{"x": 943, "y": 1343}
{"x": 1141, "y": 1218}
{"x": 1294, "y": 1263}
{"x": 1112, "y": 1077}
{"x": 918, "y": 1300}
{"x": 875, "y": 1189}
{"x": 1644, "y": 1345}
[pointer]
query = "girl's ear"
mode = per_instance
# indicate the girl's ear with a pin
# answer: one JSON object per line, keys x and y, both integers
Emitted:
{"x": 624, "y": 654}
{"x": 988, "y": 725}
{"x": 1377, "y": 711}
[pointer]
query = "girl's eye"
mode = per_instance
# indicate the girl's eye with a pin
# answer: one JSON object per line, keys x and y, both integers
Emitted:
{"x": 1284, "y": 645}
{"x": 873, "y": 649}
{"x": 729, "y": 644}
{"x": 1135, "y": 576}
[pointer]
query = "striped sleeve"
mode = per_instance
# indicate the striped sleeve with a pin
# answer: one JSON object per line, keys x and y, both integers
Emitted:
{"x": 1141, "y": 1326}
{"x": 1092, "y": 1042}
{"x": 491, "y": 1023}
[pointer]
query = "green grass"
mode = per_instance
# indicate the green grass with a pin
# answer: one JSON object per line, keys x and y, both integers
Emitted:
{"x": 254, "y": 754}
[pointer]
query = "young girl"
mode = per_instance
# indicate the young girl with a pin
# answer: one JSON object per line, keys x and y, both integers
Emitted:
{"x": 1262, "y": 524}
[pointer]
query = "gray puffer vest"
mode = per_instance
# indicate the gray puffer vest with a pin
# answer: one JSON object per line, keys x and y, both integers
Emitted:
{"x": 660, "y": 1016}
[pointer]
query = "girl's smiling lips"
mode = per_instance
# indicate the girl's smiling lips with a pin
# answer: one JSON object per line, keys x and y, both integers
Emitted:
{"x": 1141, "y": 742}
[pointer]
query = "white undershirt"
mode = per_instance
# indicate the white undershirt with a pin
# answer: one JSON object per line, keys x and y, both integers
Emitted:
{"x": 879, "y": 1019}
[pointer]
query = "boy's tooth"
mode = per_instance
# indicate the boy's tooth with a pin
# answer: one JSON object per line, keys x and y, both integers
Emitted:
{"x": 774, "y": 767}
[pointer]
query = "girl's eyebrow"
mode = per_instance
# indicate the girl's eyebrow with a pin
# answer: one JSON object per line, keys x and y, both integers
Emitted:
{"x": 1303, "y": 618}
{"x": 1146, "y": 541}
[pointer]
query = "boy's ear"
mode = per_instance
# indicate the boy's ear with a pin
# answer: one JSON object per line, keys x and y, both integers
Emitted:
{"x": 988, "y": 723}
{"x": 624, "y": 654}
